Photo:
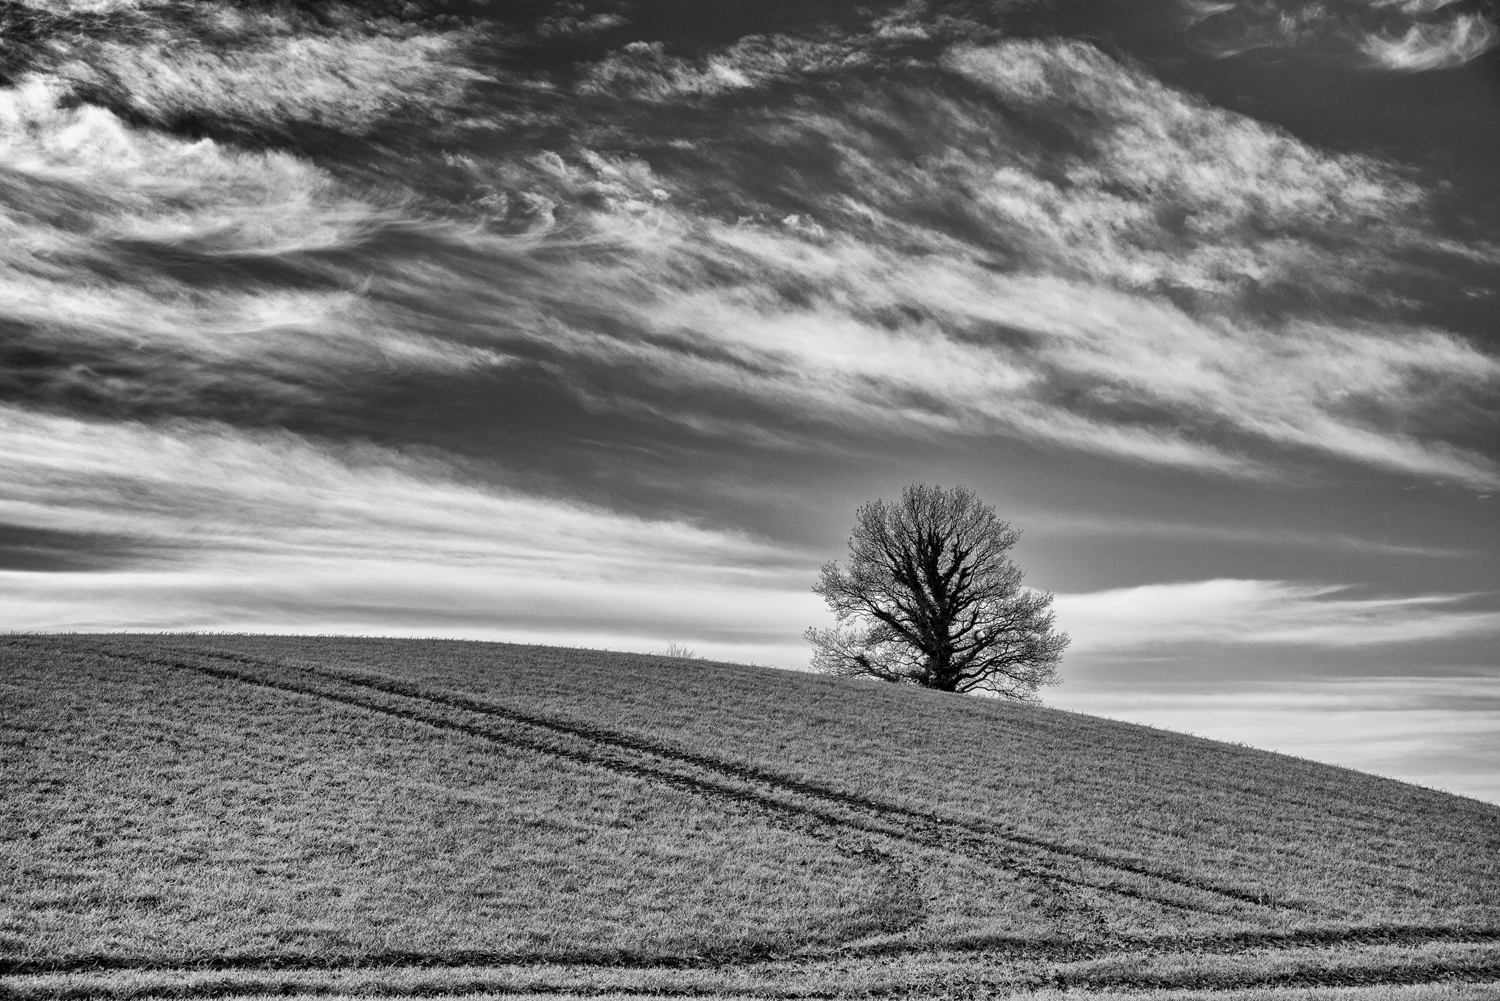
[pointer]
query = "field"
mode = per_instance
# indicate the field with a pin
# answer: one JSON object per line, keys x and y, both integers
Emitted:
{"x": 195, "y": 816}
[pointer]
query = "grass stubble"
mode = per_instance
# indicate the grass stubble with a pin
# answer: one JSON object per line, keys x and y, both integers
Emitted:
{"x": 195, "y": 816}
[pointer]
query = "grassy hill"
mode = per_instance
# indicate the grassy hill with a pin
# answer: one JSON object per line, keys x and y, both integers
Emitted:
{"x": 236, "y": 815}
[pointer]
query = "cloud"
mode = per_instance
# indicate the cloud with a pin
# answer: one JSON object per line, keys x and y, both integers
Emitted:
{"x": 983, "y": 281}
{"x": 1401, "y": 35}
{"x": 854, "y": 330}
{"x": 65, "y": 7}
{"x": 866, "y": 304}
{"x": 741, "y": 624}
{"x": 1260, "y": 612}
{"x": 103, "y": 216}
{"x": 1434, "y": 46}
{"x": 198, "y": 486}
{"x": 866, "y": 39}
{"x": 84, "y": 174}
{"x": 644, "y": 70}
{"x": 568, "y": 22}
{"x": 210, "y": 528}
{"x": 1107, "y": 348}
{"x": 1415, "y": 7}
{"x": 1172, "y": 192}
{"x": 377, "y": 598}
{"x": 348, "y": 81}
{"x": 1045, "y": 524}
{"x": 1156, "y": 190}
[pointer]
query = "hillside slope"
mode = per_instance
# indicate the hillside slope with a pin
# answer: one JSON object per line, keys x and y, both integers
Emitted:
{"x": 279, "y": 813}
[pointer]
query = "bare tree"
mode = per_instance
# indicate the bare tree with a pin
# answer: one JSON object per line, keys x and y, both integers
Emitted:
{"x": 932, "y": 598}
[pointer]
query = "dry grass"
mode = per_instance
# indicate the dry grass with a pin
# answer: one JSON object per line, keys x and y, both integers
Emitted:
{"x": 347, "y": 808}
{"x": 1345, "y": 843}
{"x": 163, "y": 817}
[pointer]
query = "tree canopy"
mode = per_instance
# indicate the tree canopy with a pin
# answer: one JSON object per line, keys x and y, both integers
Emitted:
{"x": 931, "y": 597}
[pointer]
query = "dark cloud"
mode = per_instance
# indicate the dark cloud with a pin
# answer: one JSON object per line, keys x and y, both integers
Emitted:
{"x": 41, "y": 550}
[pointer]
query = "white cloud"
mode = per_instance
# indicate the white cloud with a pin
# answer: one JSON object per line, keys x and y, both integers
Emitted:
{"x": 247, "y": 66}
{"x": 829, "y": 316}
{"x": 63, "y": 7}
{"x": 85, "y": 182}
{"x": 644, "y": 70}
{"x": 205, "y": 488}
{"x": 1173, "y": 191}
{"x": 296, "y": 595}
{"x": 1260, "y": 612}
{"x": 348, "y": 81}
{"x": 139, "y": 184}
{"x": 1402, "y": 35}
{"x": 567, "y": 20}
{"x": 1211, "y": 388}
{"x": 835, "y": 314}
{"x": 1414, "y": 7}
{"x": 272, "y": 531}
{"x": 1443, "y": 45}
{"x": 1199, "y": 10}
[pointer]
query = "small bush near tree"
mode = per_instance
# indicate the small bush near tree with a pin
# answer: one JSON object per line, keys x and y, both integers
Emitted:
{"x": 931, "y": 597}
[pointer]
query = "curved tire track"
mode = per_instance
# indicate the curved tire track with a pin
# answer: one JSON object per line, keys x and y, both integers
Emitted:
{"x": 929, "y": 830}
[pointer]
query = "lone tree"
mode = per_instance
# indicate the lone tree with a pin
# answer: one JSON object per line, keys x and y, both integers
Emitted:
{"x": 935, "y": 600}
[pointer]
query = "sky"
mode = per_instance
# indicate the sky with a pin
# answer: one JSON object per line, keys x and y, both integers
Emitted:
{"x": 593, "y": 322}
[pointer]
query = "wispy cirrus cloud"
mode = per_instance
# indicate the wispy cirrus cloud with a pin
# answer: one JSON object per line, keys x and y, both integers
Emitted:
{"x": 572, "y": 19}
{"x": 1433, "y": 46}
{"x": 979, "y": 283}
{"x": 204, "y": 486}
{"x": 1172, "y": 192}
{"x": 1261, "y": 612}
{"x": 982, "y": 282}
{"x": 349, "y": 81}
{"x": 103, "y": 216}
{"x": 1117, "y": 527}
{"x": 1400, "y": 35}
{"x": 853, "y": 327}
{"x": 80, "y": 177}
{"x": 646, "y": 71}
{"x": 211, "y": 528}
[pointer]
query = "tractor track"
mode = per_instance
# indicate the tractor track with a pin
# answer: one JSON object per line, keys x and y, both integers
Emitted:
{"x": 750, "y": 773}
{"x": 1012, "y": 950}
{"x": 99, "y": 977}
{"x": 965, "y": 989}
{"x": 821, "y": 823}
{"x": 830, "y": 812}
{"x": 856, "y": 813}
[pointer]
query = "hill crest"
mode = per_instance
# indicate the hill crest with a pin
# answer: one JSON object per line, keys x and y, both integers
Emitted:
{"x": 249, "y": 802}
